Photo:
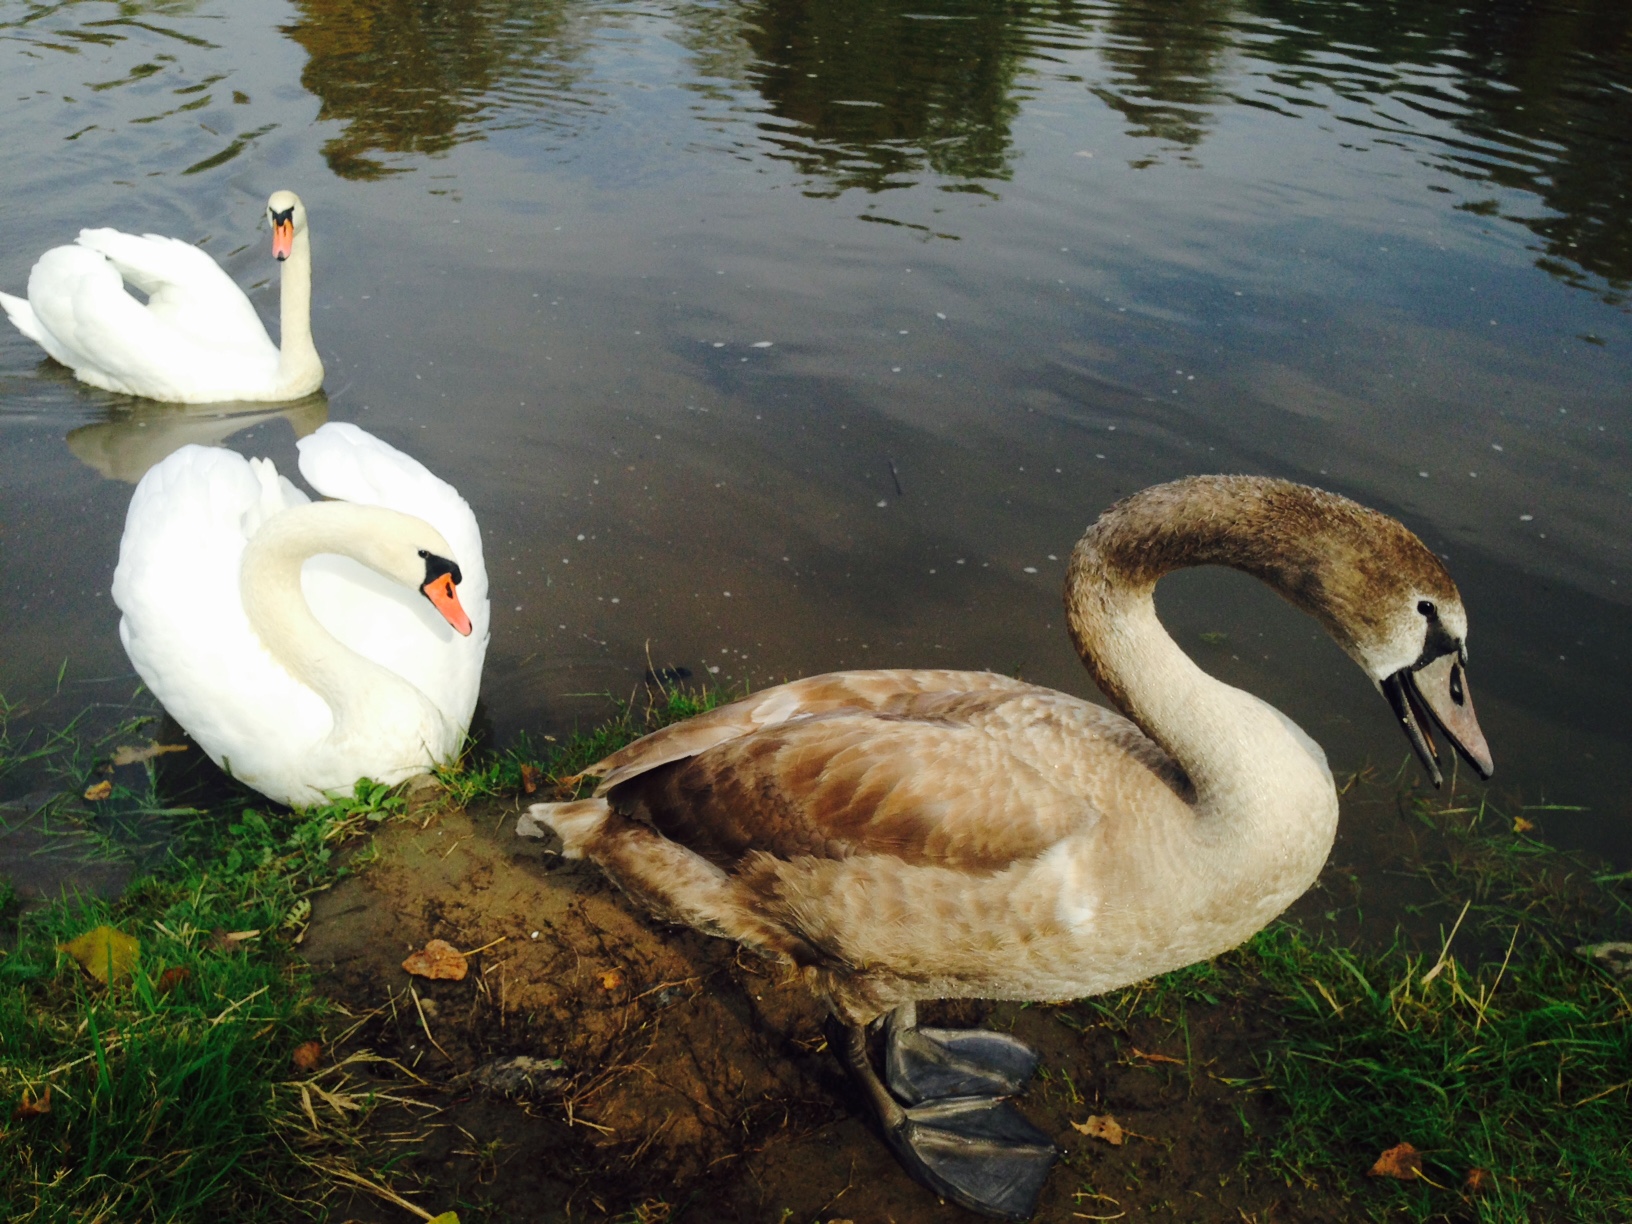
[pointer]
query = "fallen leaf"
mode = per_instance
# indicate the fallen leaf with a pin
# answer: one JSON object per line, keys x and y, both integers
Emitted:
{"x": 126, "y": 755}
{"x": 171, "y": 978}
{"x": 531, "y": 776}
{"x": 98, "y": 791}
{"x": 1102, "y": 1126}
{"x": 447, "y": 1217}
{"x": 225, "y": 941}
{"x": 106, "y": 954}
{"x": 29, "y": 1108}
{"x": 307, "y": 1056}
{"x": 1138, "y": 1053}
{"x": 1478, "y": 1181}
{"x": 438, "y": 959}
{"x": 1402, "y": 1162}
{"x": 1521, "y": 825}
{"x": 612, "y": 979}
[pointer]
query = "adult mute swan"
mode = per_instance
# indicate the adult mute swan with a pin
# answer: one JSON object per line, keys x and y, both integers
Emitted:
{"x": 304, "y": 644}
{"x": 197, "y": 340}
{"x": 908, "y": 835}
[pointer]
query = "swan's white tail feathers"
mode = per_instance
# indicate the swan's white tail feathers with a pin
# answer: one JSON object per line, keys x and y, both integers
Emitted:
{"x": 575, "y": 822}
{"x": 23, "y": 318}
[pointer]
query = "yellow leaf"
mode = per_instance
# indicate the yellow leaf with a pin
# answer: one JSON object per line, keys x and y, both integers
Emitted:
{"x": 1521, "y": 825}
{"x": 106, "y": 954}
{"x": 98, "y": 791}
{"x": 447, "y": 1217}
{"x": 127, "y": 755}
{"x": 1102, "y": 1126}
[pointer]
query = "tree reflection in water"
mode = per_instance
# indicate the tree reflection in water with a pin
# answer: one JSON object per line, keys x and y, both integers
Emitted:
{"x": 875, "y": 95}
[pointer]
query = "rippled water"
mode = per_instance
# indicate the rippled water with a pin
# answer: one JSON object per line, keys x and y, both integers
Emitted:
{"x": 779, "y": 337}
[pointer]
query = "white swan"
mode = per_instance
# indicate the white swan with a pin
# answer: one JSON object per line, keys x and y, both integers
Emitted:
{"x": 907, "y": 835}
{"x": 197, "y": 340}
{"x": 303, "y": 644}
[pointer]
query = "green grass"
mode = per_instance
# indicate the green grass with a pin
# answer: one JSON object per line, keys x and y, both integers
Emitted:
{"x": 1501, "y": 1049}
{"x": 1498, "y": 1048}
{"x": 1491, "y": 1045}
{"x": 173, "y": 1096}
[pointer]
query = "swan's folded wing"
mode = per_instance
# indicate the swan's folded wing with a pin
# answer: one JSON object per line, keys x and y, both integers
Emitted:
{"x": 186, "y": 289}
{"x": 391, "y": 624}
{"x": 184, "y": 626}
{"x": 962, "y": 787}
{"x": 879, "y": 690}
{"x": 111, "y": 340}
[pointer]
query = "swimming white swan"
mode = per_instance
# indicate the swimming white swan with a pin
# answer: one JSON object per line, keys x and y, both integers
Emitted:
{"x": 907, "y": 835}
{"x": 303, "y": 644}
{"x": 197, "y": 340}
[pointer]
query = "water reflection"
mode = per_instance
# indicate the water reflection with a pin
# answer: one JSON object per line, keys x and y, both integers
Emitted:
{"x": 873, "y": 92}
{"x": 132, "y": 439}
{"x": 1520, "y": 99}
{"x": 417, "y": 77}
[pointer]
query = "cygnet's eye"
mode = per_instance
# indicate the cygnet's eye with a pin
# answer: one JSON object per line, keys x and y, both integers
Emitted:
{"x": 1426, "y": 607}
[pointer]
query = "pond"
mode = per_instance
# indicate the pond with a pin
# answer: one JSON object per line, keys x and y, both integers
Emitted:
{"x": 773, "y": 338}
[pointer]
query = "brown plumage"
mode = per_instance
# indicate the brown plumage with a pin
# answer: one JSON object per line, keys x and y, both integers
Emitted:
{"x": 918, "y": 834}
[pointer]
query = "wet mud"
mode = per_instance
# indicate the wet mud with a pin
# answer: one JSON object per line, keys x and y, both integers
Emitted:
{"x": 680, "y": 1078}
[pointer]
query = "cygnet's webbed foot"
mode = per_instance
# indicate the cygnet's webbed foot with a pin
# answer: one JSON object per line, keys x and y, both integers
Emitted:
{"x": 928, "y": 1064}
{"x": 967, "y": 1146}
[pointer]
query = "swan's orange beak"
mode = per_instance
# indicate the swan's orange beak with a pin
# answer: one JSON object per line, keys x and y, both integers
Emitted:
{"x": 444, "y": 597}
{"x": 283, "y": 236}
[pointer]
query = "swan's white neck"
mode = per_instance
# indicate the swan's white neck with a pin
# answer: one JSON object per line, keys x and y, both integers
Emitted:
{"x": 363, "y": 697}
{"x": 1264, "y": 803}
{"x": 300, "y": 370}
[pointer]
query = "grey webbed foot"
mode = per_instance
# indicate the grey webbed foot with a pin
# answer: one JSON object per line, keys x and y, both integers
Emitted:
{"x": 928, "y": 1064}
{"x": 966, "y": 1145}
{"x": 976, "y": 1151}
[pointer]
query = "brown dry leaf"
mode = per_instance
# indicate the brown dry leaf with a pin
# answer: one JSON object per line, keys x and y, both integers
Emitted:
{"x": 171, "y": 978}
{"x": 98, "y": 791}
{"x": 1138, "y": 1053}
{"x": 308, "y": 1055}
{"x": 438, "y": 959}
{"x": 106, "y": 954}
{"x": 1478, "y": 1181}
{"x": 1402, "y": 1162}
{"x": 1521, "y": 825}
{"x": 225, "y": 941}
{"x": 1102, "y": 1126}
{"x": 612, "y": 979}
{"x": 126, "y": 755}
{"x": 531, "y": 776}
{"x": 31, "y": 1108}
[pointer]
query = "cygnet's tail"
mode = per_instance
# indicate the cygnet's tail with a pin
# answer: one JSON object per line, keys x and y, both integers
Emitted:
{"x": 576, "y": 823}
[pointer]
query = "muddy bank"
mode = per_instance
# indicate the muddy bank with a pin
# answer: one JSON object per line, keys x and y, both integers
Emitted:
{"x": 692, "y": 1081}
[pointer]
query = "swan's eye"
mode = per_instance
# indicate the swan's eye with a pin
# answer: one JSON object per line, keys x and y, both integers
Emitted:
{"x": 1426, "y": 607}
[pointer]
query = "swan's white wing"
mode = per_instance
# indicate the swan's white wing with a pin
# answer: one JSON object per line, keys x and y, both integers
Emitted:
{"x": 391, "y": 624}
{"x": 111, "y": 340}
{"x": 184, "y": 626}
{"x": 186, "y": 289}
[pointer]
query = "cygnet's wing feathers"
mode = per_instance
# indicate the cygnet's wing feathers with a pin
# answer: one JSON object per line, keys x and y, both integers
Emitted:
{"x": 184, "y": 626}
{"x": 186, "y": 289}
{"x": 341, "y": 461}
{"x": 973, "y": 780}
{"x": 882, "y": 690}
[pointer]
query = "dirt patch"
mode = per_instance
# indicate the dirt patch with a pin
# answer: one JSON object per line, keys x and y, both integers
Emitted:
{"x": 693, "y": 1082}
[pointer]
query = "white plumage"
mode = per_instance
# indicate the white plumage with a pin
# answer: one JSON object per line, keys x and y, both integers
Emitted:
{"x": 196, "y": 340}
{"x": 403, "y": 682}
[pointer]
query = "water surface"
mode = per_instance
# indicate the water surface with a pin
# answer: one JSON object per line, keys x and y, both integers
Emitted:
{"x": 771, "y": 338}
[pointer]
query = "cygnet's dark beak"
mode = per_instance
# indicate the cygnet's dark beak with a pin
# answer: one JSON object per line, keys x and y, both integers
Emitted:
{"x": 1437, "y": 692}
